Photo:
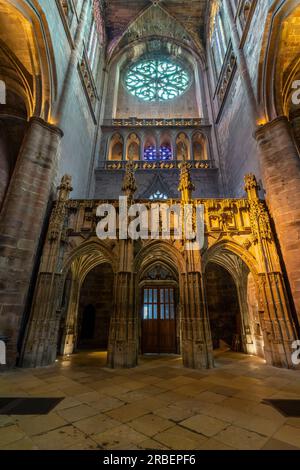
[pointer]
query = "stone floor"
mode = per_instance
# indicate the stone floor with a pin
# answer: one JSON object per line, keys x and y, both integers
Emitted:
{"x": 159, "y": 405}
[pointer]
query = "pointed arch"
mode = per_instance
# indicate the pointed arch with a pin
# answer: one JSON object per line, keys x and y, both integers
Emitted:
{"x": 86, "y": 256}
{"x": 133, "y": 147}
{"x": 200, "y": 146}
{"x": 116, "y": 147}
{"x": 164, "y": 251}
{"x": 26, "y": 44}
{"x": 229, "y": 246}
{"x": 276, "y": 72}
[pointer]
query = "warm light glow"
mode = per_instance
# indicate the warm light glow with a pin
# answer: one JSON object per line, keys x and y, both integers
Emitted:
{"x": 52, "y": 121}
{"x": 261, "y": 121}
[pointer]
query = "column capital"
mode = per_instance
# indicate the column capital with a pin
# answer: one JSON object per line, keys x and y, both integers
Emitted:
{"x": 280, "y": 120}
{"x": 46, "y": 125}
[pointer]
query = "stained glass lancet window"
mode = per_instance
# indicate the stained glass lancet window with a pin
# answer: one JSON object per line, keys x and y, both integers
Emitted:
{"x": 219, "y": 33}
{"x": 156, "y": 80}
{"x": 164, "y": 153}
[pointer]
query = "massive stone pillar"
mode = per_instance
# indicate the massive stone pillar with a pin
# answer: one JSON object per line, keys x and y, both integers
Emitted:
{"x": 280, "y": 167}
{"x": 197, "y": 349}
{"x": 123, "y": 336}
{"x": 21, "y": 224}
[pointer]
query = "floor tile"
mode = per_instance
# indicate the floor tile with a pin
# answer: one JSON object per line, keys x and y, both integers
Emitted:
{"x": 205, "y": 425}
{"x": 150, "y": 424}
{"x": 180, "y": 439}
{"x": 241, "y": 439}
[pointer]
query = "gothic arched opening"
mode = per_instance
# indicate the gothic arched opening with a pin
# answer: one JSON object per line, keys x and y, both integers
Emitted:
{"x": 133, "y": 147}
{"x": 223, "y": 308}
{"x": 116, "y": 148}
{"x": 95, "y": 308}
{"x": 199, "y": 147}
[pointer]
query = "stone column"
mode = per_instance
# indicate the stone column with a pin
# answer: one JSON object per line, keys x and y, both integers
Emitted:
{"x": 280, "y": 167}
{"x": 40, "y": 344}
{"x": 142, "y": 143}
{"x": 197, "y": 349}
{"x": 275, "y": 315}
{"x": 123, "y": 336}
{"x": 174, "y": 146}
{"x": 21, "y": 223}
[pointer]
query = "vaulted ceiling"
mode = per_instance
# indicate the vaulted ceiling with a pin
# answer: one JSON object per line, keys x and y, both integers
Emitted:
{"x": 120, "y": 14}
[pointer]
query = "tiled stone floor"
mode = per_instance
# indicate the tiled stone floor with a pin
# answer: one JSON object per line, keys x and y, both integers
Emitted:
{"x": 159, "y": 405}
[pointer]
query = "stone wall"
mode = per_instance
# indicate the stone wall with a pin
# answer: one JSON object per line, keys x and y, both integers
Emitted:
{"x": 78, "y": 122}
{"x": 109, "y": 183}
{"x": 234, "y": 119}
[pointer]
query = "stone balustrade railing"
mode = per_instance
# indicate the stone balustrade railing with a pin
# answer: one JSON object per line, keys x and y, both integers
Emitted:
{"x": 157, "y": 165}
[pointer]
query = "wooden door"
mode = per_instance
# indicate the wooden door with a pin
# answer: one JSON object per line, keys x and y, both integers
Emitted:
{"x": 158, "y": 320}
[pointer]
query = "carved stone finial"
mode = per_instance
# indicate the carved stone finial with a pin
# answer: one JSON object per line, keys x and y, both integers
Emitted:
{"x": 65, "y": 188}
{"x": 129, "y": 184}
{"x": 186, "y": 186}
{"x": 252, "y": 187}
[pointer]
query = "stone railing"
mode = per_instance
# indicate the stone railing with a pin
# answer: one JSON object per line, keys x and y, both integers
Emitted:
{"x": 135, "y": 122}
{"x": 157, "y": 165}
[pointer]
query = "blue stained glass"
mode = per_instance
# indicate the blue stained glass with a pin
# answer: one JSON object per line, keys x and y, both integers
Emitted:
{"x": 167, "y": 312}
{"x": 172, "y": 313}
{"x": 145, "y": 312}
{"x": 155, "y": 80}
{"x": 158, "y": 196}
{"x": 164, "y": 153}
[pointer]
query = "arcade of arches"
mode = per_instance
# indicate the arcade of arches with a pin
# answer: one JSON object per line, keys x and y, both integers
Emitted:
{"x": 160, "y": 103}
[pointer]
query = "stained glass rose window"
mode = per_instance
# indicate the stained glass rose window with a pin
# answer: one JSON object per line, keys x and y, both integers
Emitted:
{"x": 157, "y": 80}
